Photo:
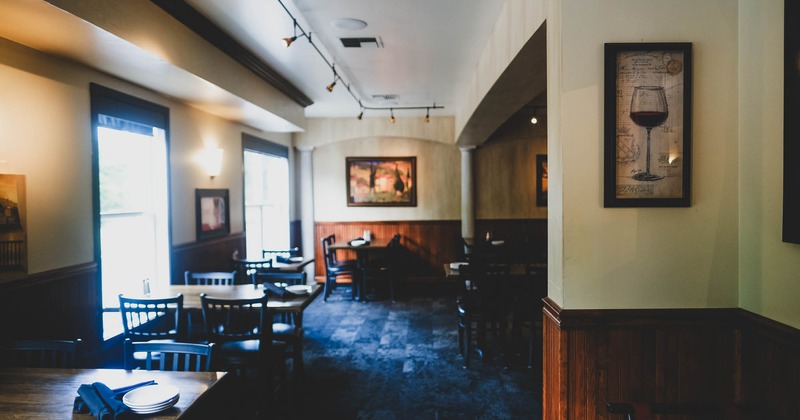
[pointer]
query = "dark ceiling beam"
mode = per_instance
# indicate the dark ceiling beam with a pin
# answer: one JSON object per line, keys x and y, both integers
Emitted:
{"x": 202, "y": 26}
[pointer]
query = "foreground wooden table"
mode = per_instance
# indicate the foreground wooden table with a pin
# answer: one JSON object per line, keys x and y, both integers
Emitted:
{"x": 50, "y": 393}
{"x": 294, "y": 305}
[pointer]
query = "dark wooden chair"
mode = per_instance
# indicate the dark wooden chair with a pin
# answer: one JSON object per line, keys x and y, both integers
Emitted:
{"x": 335, "y": 268}
{"x": 276, "y": 275}
{"x": 241, "y": 330}
{"x": 281, "y": 255}
{"x": 209, "y": 277}
{"x": 526, "y": 296}
{"x": 385, "y": 268}
{"x": 178, "y": 356}
{"x": 39, "y": 353}
{"x": 483, "y": 306}
{"x": 146, "y": 319}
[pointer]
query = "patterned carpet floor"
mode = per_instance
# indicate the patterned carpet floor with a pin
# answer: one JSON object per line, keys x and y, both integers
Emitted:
{"x": 400, "y": 360}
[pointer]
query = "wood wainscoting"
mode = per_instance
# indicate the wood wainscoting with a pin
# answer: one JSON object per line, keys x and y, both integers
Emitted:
{"x": 429, "y": 244}
{"x": 722, "y": 357}
{"x": 211, "y": 255}
{"x": 57, "y": 304}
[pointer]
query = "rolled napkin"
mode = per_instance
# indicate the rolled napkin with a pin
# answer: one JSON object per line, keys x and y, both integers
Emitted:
{"x": 101, "y": 402}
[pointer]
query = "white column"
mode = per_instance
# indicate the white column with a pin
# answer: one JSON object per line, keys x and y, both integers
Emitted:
{"x": 467, "y": 196}
{"x": 307, "y": 208}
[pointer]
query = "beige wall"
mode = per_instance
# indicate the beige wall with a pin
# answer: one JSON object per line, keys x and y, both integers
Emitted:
{"x": 768, "y": 268}
{"x": 505, "y": 174}
{"x": 45, "y": 134}
{"x": 642, "y": 257}
{"x": 438, "y": 180}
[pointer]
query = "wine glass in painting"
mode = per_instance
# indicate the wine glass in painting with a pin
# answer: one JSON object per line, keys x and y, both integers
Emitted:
{"x": 648, "y": 110}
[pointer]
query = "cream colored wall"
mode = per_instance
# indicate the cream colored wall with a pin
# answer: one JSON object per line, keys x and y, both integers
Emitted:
{"x": 45, "y": 134}
{"x": 769, "y": 280}
{"x": 438, "y": 170}
{"x": 642, "y": 257}
{"x": 505, "y": 178}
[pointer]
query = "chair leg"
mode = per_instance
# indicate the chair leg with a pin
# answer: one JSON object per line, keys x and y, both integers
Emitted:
{"x": 467, "y": 342}
{"x": 327, "y": 291}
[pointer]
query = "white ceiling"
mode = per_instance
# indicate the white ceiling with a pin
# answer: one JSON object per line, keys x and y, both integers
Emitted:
{"x": 430, "y": 48}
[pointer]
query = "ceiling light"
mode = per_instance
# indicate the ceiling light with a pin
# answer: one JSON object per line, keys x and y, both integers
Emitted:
{"x": 352, "y": 24}
{"x": 349, "y": 24}
{"x": 534, "y": 120}
{"x": 427, "y": 115}
{"x": 361, "y": 115}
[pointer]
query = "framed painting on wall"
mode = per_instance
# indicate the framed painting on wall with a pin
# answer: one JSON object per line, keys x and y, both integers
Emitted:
{"x": 13, "y": 226}
{"x": 212, "y": 213}
{"x": 791, "y": 129}
{"x": 381, "y": 181}
{"x": 541, "y": 180}
{"x": 647, "y": 124}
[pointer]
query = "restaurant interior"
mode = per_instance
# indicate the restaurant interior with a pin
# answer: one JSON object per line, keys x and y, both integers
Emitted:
{"x": 632, "y": 311}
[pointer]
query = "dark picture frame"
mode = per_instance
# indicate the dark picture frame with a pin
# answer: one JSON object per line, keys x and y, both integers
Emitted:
{"x": 381, "y": 181}
{"x": 212, "y": 213}
{"x": 791, "y": 129}
{"x": 647, "y": 163}
{"x": 541, "y": 180}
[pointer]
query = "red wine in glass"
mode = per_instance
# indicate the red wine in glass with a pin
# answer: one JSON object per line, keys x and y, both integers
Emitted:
{"x": 648, "y": 110}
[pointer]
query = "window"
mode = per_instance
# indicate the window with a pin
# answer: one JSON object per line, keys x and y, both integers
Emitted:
{"x": 266, "y": 195}
{"x": 131, "y": 197}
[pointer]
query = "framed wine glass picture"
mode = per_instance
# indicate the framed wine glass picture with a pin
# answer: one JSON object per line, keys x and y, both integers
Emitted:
{"x": 647, "y": 150}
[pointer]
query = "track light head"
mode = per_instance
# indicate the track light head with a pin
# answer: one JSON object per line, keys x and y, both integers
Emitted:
{"x": 393, "y": 119}
{"x": 288, "y": 41}
{"x": 427, "y": 115}
{"x": 330, "y": 86}
{"x": 361, "y": 115}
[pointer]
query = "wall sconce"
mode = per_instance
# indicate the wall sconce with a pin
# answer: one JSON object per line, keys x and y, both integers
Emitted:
{"x": 212, "y": 161}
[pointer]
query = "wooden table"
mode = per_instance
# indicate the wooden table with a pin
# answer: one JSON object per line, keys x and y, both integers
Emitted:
{"x": 294, "y": 305}
{"x": 50, "y": 393}
{"x": 253, "y": 268}
{"x": 362, "y": 257}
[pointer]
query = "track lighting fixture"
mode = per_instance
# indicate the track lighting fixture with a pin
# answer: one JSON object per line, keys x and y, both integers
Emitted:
{"x": 288, "y": 41}
{"x": 336, "y": 77}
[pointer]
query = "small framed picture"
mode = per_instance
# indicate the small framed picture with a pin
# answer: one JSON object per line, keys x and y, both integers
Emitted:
{"x": 648, "y": 127}
{"x": 541, "y": 180}
{"x": 381, "y": 181}
{"x": 212, "y": 213}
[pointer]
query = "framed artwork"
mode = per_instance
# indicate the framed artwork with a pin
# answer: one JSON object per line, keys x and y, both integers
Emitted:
{"x": 13, "y": 226}
{"x": 381, "y": 181}
{"x": 791, "y": 129}
{"x": 212, "y": 213}
{"x": 647, "y": 158}
{"x": 541, "y": 180}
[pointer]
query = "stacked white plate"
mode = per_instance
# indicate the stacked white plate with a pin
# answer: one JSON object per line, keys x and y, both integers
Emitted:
{"x": 300, "y": 289}
{"x": 151, "y": 399}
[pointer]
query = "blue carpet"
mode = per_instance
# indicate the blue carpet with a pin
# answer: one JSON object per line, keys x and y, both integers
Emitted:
{"x": 400, "y": 360}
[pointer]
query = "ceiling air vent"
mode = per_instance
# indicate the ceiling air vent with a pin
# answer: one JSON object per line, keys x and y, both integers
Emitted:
{"x": 385, "y": 97}
{"x": 362, "y": 42}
